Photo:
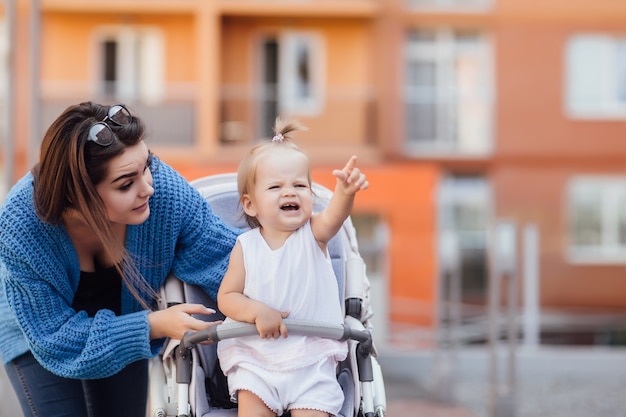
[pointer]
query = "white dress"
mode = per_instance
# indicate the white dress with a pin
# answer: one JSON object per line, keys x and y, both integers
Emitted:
{"x": 297, "y": 277}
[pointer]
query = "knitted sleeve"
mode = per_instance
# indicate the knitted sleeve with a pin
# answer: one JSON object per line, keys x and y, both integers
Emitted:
{"x": 204, "y": 243}
{"x": 69, "y": 343}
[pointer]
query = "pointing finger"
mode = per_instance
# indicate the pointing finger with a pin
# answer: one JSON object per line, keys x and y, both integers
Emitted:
{"x": 350, "y": 165}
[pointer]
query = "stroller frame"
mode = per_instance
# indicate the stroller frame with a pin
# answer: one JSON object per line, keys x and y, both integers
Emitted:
{"x": 186, "y": 372}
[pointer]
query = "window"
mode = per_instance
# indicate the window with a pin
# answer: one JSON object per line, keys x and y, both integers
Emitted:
{"x": 301, "y": 73}
{"x": 448, "y": 102}
{"x": 292, "y": 77}
{"x": 464, "y": 208}
{"x": 130, "y": 63}
{"x": 596, "y": 76}
{"x": 373, "y": 236}
{"x": 373, "y": 240}
{"x": 597, "y": 219}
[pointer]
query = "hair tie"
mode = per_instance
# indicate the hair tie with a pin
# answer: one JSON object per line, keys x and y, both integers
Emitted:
{"x": 278, "y": 138}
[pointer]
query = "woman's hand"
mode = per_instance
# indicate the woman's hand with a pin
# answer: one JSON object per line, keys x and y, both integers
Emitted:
{"x": 175, "y": 321}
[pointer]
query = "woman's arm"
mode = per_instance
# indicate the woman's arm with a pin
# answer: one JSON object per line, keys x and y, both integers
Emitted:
{"x": 203, "y": 241}
{"x": 67, "y": 342}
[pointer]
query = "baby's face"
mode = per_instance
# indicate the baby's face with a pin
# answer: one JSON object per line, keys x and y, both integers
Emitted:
{"x": 282, "y": 198}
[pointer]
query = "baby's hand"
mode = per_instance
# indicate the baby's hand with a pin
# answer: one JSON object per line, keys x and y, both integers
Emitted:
{"x": 269, "y": 323}
{"x": 350, "y": 179}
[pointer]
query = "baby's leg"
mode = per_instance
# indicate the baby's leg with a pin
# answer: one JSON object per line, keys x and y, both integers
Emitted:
{"x": 250, "y": 405}
{"x": 303, "y": 412}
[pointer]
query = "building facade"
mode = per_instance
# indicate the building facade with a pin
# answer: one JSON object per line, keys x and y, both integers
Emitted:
{"x": 463, "y": 113}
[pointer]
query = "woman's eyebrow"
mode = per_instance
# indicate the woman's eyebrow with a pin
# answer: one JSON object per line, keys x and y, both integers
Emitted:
{"x": 124, "y": 176}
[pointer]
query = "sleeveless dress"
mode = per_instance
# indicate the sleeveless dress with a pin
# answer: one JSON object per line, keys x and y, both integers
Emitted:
{"x": 297, "y": 277}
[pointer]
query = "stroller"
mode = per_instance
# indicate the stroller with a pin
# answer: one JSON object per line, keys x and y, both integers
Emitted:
{"x": 186, "y": 379}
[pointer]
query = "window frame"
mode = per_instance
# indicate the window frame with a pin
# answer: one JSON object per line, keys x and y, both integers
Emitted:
{"x": 290, "y": 45}
{"x": 605, "y": 72}
{"x": 466, "y": 195}
{"x": 612, "y": 191}
{"x": 373, "y": 240}
{"x": 453, "y": 94}
{"x": 140, "y": 63}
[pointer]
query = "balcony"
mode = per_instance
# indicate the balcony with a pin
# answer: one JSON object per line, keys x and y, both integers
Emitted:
{"x": 169, "y": 114}
{"x": 345, "y": 119}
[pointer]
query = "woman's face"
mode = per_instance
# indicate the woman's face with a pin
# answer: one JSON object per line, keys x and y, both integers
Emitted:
{"x": 127, "y": 186}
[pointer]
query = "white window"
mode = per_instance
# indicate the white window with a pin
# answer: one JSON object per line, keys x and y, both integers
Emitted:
{"x": 597, "y": 219}
{"x": 373, "y": 236}
{"x": 292, "y": 77}
{"x": 130, "y": 63}
{"x": 448, "y": 89}
{"x": 301, "y": 73}
{"x": 595, "y": 79}
{"x": 373, "y": 241}
{"x": 464, "y": 212}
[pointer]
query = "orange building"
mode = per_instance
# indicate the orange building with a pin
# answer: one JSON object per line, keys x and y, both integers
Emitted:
{"x": 462, "y": 113}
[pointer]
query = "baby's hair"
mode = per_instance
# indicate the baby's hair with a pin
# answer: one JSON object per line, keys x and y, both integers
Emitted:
{"x": 283, "y": 137}
{"x": 284, "y": 128}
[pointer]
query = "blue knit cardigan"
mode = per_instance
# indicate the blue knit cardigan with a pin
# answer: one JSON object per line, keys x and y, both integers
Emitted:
{"x": 39, "y": 273}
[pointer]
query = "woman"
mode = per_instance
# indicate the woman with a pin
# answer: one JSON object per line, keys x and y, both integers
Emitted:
{"x": 86, "y": 240}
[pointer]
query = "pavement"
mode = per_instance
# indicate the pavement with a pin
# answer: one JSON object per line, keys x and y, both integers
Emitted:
{"x": 549, "y": 382}
{"x": 546, "y": 382}
{"x": 400, "y": 408}
{"x": 404, "y": 399}
{"x": 407, "y": 399}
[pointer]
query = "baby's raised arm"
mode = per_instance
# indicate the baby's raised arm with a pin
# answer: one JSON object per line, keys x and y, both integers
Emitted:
{"x": 350, "y": 180}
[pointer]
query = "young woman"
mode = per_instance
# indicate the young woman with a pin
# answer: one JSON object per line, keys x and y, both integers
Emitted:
{"x": 86, "y": 240}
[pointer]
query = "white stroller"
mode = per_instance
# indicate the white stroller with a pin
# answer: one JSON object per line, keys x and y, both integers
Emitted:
{"x": 186, "y": 380}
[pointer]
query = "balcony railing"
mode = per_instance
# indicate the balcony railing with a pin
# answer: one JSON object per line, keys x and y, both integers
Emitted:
{"x": 167, "y": 123}
{"x": 343, "y": 115}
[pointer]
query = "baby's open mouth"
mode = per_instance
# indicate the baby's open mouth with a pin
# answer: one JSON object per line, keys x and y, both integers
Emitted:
{"x": 290, "y": 206}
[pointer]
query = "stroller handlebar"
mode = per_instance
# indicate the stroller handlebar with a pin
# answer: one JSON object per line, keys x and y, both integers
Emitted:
{"x": 300, "y": 327}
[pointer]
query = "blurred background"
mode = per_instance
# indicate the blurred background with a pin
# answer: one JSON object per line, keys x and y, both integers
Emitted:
{"x": 493, "y": 133}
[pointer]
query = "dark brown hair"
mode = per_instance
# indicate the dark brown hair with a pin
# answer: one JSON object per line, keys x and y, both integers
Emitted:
{"x": 70, "y": 166}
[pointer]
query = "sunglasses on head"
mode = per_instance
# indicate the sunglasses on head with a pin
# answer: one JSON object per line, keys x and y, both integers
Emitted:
{"x": 101, "y": 133}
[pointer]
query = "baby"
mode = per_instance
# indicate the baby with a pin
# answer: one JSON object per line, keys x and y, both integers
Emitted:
{"x": 281, "y": 268}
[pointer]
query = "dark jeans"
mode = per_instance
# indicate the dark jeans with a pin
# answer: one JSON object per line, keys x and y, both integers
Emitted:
{"x": 43, "y": 394}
